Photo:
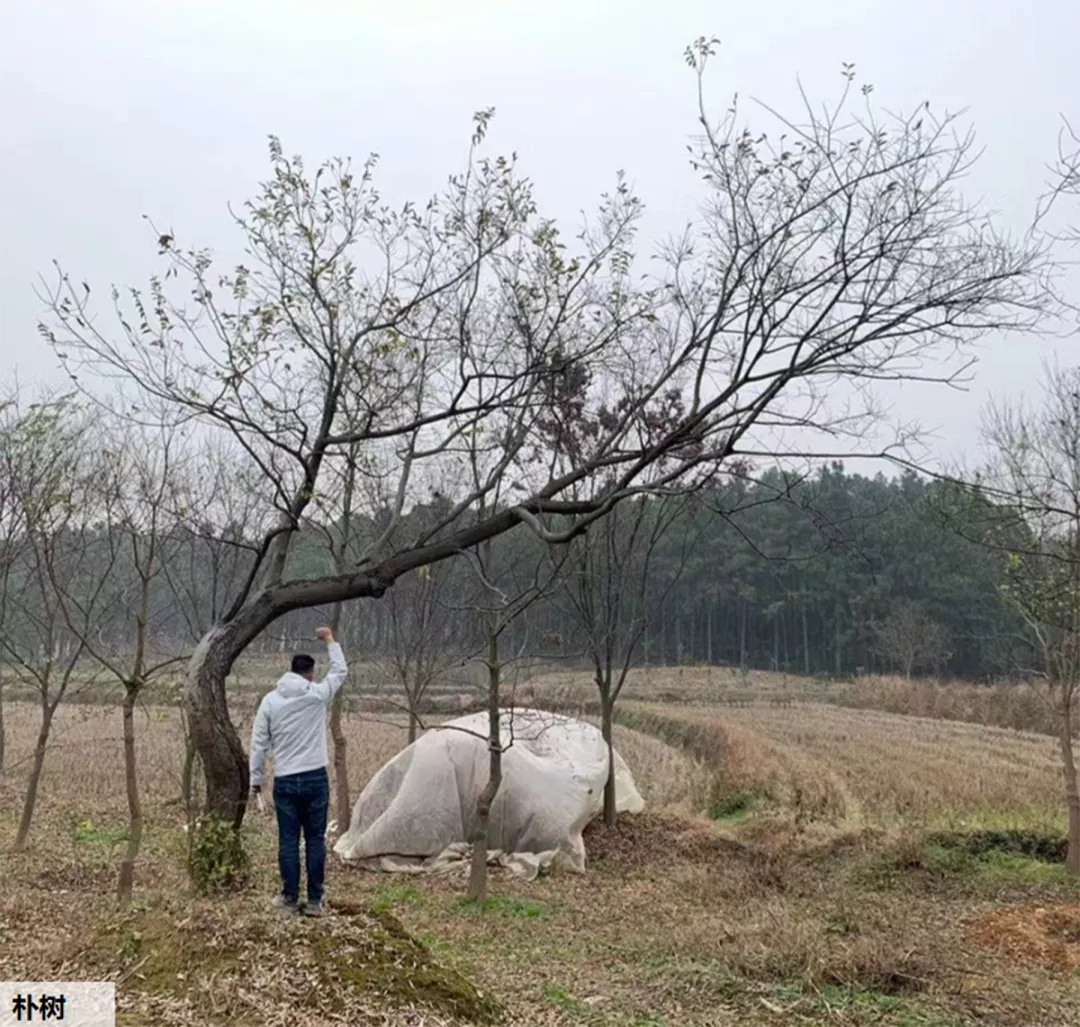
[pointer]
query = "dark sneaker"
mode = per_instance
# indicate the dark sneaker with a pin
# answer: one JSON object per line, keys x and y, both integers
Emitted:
{"x": 313, "y": 909}
{"x": 283, "y": 905}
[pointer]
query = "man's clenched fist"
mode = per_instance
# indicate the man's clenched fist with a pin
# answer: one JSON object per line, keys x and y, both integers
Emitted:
{"x": 324, "y": 635}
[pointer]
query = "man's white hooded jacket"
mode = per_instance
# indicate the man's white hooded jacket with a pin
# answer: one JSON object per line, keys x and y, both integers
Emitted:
{"x": 291, "y": 721}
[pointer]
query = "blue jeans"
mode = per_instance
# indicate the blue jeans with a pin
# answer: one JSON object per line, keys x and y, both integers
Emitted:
{"x": 301, "y": 802}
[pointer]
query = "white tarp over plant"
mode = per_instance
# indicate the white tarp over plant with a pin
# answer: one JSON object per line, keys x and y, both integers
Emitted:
{"x": 417, "y": 813}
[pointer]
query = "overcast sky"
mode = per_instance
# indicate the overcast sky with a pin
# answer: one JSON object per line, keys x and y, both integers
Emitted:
{"x": 112, "y": 110}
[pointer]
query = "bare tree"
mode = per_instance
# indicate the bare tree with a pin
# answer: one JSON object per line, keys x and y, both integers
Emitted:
{"x": 504, "y": 594}
{"x": 611, "y": 569}
{"x": 134, "y": 490}
{"x": 46, "y": 462}
{"x": 1036, "y": 471}
{"x": 220, "y": 517}
{"x": 13, "y": 537}
{"x": 908, "y": 638}
{"x": 422, "y": 629}
{"x": 838, "y": 255}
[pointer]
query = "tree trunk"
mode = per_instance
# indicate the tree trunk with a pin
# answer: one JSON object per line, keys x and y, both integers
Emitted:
{"x": 414, "y": 726}
{"x": 606, "y": 717}
{"x": 342, "y": 801}
{"x": 1072, "y": 795}
{"x": 30, "y": 801}
{"x": 837, "y": 653}
{"x": 187, "y": 780}
{"x": 478, "y": 875}
{"x": 742, "y": 637}
{"x": 645, "y": 648}
{"x": 224, "y": 763}
{"x": 805, "y": 644}
{"x": 3, "y": 729}
{"x": 678, "y": 633}
{"x": 126, "y": 882}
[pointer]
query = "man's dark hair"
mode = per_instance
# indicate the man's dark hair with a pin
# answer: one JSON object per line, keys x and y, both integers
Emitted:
{"x": 302, "y": 664}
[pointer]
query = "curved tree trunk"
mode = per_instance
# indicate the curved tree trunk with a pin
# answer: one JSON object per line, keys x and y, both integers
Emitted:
{"x": 221, "y": 754}
{"x": 223, "y": 760}
{"x": 126, "y": 880}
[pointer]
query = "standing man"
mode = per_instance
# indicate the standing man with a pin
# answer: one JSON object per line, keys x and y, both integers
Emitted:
{"x": 291, "y": 723}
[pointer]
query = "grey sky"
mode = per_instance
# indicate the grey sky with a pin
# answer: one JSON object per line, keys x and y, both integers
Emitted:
{"x": 112, "y": 110}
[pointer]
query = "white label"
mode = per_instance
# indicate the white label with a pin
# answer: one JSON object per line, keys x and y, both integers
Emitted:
{"x": 67, "y": 1003}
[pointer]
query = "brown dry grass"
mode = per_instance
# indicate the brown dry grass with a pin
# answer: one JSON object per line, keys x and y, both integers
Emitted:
{"x": 1019, "y": 706}
{"x": 866, "y": 767}
{"x": 805, "y": 911}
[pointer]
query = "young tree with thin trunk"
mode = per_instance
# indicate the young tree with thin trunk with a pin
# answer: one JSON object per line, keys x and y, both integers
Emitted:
{"x": 611, "y": 599}
{"x": 422, "y": 635}
{"x": 502, "y": 586}
{"x": 840, "y": 254}
{"x": 50, "y": 465}
{"x": 503, "y": 595}
{"x": 134, "y": 490}
{"x": 13, "y": 536}
{"x": 1036, "y": 473}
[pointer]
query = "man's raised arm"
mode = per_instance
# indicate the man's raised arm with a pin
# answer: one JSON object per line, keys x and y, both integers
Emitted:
{"x": 327, "y": 688}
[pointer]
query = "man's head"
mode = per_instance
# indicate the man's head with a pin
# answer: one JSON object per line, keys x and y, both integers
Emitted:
{"x": 303, "y": 665}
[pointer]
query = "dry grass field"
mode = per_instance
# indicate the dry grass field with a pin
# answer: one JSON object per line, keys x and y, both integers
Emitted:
{"x": 800, "y": 863}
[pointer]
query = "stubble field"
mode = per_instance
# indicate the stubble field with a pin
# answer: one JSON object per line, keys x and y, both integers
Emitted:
{"x": 800, "y": 863}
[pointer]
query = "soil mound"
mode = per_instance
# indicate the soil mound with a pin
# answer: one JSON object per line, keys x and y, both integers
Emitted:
{"x": 645, "y": 839}
{"x": 236, "y": 961}
{"x": 1047, "y": 936}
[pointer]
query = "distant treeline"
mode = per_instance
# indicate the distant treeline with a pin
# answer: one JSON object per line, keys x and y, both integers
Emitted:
{"x": 808, "y": 576}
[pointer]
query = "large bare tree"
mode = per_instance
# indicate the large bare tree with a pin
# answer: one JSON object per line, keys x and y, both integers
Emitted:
{"x": 833, "y": 254}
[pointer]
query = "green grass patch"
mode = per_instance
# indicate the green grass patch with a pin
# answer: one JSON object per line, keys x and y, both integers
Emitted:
{"x": 861, "y": 1006}
{"x": 992, "y": 859}
{"x": 504, "y": 906}
{"x": 1030, "y": 844}
{"x": 389, "y": 895}
{"x": 735, "y": 807}
{"x": 562, "y": 999}
{"x": 86, "y": 832}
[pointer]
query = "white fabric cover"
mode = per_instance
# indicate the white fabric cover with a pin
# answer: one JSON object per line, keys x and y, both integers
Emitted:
{"x": 417, "y": 813}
